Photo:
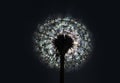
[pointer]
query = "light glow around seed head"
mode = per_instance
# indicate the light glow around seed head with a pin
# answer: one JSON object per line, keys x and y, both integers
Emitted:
{"x": 48, "y": 31}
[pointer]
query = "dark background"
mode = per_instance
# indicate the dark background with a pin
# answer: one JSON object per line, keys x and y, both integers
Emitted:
{"x": 20, "y": 18}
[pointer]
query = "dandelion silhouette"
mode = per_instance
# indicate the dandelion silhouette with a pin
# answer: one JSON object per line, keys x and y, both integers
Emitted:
{"x": 62, "y": 41}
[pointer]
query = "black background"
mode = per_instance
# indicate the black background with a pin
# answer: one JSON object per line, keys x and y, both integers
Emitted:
{"x": 20, "y": 18}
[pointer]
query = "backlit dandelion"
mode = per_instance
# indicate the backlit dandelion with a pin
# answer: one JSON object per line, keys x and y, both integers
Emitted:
{"x": 73, "y": 34}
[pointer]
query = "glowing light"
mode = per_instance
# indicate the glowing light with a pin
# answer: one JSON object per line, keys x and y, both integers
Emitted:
{"x": 46, "y": 33}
